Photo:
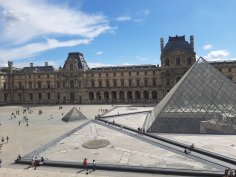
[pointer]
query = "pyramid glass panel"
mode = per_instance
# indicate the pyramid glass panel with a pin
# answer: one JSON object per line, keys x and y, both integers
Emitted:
{"x": 203, "y": 101}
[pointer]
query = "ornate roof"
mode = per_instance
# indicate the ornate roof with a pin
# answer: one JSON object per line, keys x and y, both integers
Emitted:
{"x": 79, "y": 59}
{"x": 38, "y": 69}
{"x": 177, "y": 42}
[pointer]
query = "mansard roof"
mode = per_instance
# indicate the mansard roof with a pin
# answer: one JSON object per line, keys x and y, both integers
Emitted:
{"x": 79, "y": 58}
{"x": 177, "y": 42}
{"x": 125, "y": 67}
{"x": 38, "y": 69}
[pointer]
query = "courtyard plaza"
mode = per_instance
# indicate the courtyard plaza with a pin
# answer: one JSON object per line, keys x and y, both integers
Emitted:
{"x": 122, "y": 149}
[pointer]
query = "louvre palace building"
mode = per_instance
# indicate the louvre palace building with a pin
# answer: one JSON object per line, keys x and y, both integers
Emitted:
{"x": 77, "y": 83}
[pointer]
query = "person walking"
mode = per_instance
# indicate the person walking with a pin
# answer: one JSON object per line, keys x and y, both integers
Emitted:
{"x": 7, "y": 139}
{"x": 3, "y": 139}
{"x": 85, "y": 164}
{"x": 19, "y": 123}
{"x": 94, "y": 165}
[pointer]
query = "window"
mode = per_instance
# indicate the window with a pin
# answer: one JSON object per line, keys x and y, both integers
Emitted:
{"x": 145, "y": 73}
{"x": 177, "y": 61}
{"x": 4, "y": 86}
{"x": 58, "y": 96}
{"x": 146, "y": 83}
{"x": 167, "y": 82}
{"x": 138, "y": 82}
{"x": 30, "y": 76}
{"x": 220, "y": 69}
{"x": 100, "y": 83}
{"x": 189, "y": 61}
{"x": 121, "y": 74}
{"x": 115, "y": 83}
{"x": 167, "y": 62}
{"x": 154, "y": 82}
{"x": 153, "y": 72}
{"x": 129, "y": 73}
{"x": 71, "y": 67}
{"x": 30, "y": 85}
{"x": 229, "y": 69}
{"x": 47, "y": 75}
{"x": 38, "y": 76}
{"x": 107, "y": 83}
{"x": 92, "y": 74}
{"x": 137, "y": 73}
{"x": 114, "y": 74}
{"x": 40, "y": 96}
{"x": 107, "y": 74}
{"x": 79, "y": 83}
{"x": 58, "y": 84}
{"x": 130, "y": 83}
{"x": 99, "y": 74}
{"x": 48, "y": 96}
{"x": 48, "y": 84}
{"x": 92, "y": 82}
{"x": 122, "y": 83}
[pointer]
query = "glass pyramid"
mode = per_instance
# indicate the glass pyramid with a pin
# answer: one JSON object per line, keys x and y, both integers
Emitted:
{"x": 73, "y": 115}
{"x": 203, "y": 101}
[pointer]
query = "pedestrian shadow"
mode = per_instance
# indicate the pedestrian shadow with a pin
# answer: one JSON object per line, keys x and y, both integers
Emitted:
{"x": 91, "y": 171}
{"x": 81, "y": 171}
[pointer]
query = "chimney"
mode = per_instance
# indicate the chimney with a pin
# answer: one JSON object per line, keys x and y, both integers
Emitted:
{"x": 46, "y": 63}
{"x": 162, "y": 44}
{"x": 31, "y": 64}
{"x": 192, "y": 41}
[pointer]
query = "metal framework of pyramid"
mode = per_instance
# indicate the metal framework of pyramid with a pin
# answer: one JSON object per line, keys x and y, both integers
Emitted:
{"x": 73, "y": 115}
{"x": 203, "y": 101}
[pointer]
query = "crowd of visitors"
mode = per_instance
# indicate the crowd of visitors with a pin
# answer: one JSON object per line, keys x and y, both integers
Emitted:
{"x": 230, "y": 173}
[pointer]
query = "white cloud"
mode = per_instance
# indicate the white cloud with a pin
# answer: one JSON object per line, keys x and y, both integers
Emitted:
{"x": 30, "y": 50}
{"x": 24, "y": 22}
{"x": 94, "y": 65}
{"x": 218, "y": 55}
{"x": 99, "y": 53}
{"x": 207, "y": 46}
{"x": 124, "y": 18}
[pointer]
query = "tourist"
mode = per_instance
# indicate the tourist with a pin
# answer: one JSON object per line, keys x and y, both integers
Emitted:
{"x": 19, "y": 123}
{"x": 1, "y": 147}
{"x": 231, "y": 173}
{"x": 18, "y": 157}
{"x": 94, "y": 165}
{"x": 187, "y": 151}
{"x": 234, "y": 173}
{"x": 85, "y": 164}
{"x": 7, "y": 139}
{"x": 226, "y": 173}
{"x": 3, "y": 140}
{"x": 0, "y": 163}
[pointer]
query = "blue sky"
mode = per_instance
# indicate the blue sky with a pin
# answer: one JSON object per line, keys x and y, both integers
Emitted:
{"x": 112, "y": 32}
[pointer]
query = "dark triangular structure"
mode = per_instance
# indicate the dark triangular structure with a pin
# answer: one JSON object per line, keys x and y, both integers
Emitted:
{"x": 203, "y": 101}
{"x": 73, "y": 115}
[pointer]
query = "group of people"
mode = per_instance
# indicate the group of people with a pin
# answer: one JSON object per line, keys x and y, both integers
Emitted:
{"x": 36, "y": 161}
{"x": 3, "y": 139}
{"x": 230, "y": 173}
{"x": 141, "y": 130}
{"x": 189, "y": 149}
{"x": 85, "y": 165}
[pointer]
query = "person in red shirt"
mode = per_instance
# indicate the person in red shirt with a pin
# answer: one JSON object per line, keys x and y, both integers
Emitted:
{"x": 85, "y": 164}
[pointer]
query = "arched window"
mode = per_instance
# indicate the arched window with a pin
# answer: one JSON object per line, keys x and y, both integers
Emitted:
{"x": 91, "y": 95}
{"x": 121, "y": 95}
{"x": 177, "y": 61}
{"x": 98, "y": 95}
{"x": 113, "y": 94}
{"x": 137, "y": 95}
{"x": 40, "y": 96}
{"x": 129, "y": 95}
{"x": 48, "y": 96}
{"x": 167, "y": 62}
{"x": 154, "y": 94}
{"x": 106, "y": 95}
{"x": 146, "y": 94}
{"x": 31, "y": 96}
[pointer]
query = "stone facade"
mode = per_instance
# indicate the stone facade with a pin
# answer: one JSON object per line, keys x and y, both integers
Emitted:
{"x": 77, "y": 83}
